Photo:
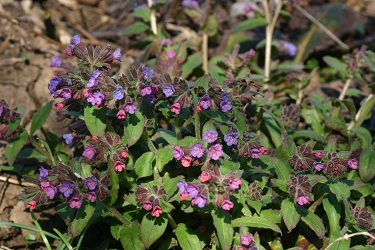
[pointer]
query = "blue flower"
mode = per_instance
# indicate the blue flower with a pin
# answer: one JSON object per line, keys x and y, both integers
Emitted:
{"x": 118, "y": 94}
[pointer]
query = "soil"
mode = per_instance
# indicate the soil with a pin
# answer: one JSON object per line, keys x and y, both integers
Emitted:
{"x": 30, "y": 33}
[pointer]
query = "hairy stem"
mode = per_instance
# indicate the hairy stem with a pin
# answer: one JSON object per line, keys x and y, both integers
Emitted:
{"x": 365, "y": 109}
{"x": 197, "y": 125}
{"x": 205, "y": 52}
{"x": 116, "y": 214}
{"x": 177, "y": 128}
{"x": 152, "y": 19}
{"x": 45, "y": 151}
{"x": 347, "y": 236}
{"x": 171, "y": 221}
{"x": 150, "y": 144}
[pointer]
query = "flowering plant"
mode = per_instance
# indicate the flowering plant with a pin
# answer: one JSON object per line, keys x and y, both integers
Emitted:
{"x": 229, "y": 166}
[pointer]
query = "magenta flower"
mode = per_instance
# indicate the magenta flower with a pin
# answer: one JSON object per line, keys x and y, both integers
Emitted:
{"x": 119, "y": 166}
{"x": 231, "y": 138}
{"x": 252, "y": 52}
{"x": 198, "y": 150}
{"x": 156, "y": 211}
{"x": 181, "y": 186}
{"x": 200, "y": 200}
{"x": 215, "y": 151}
{"x": 75, "y": 202}
{"x": 66, "y": 188}
{"x": 246, "y": 239}
{"x": 302, "y": 198}
{"x": 145, "y": 89}
{"x": 75, "y": 40}
{"x": 130, "y": 107}
{"x": 95, "y": 98}
{"x": 89, "y": 151}
{"x": 178, "y": 153}
{"x": 227, "y": 204}
{"x": 235, "y": 183}
{"x": 91, "y": 196}
{"x": 318, "y": 154}
{"x": 171, "y": 54}
{"x": 119, "y": 93}
{"x": 117, "y": 55}
{"x": 31, "y": 204}
{"x": 66, "y": 93}
{"x": 353, "y": 163}
{"x": 69, "y": 52}
{"x": 51, "y": 191}
{"x": 121, "y": 114}
{"x": 210, "y": 136}
{"x": 193, "y": 190}
{"x": 205, "y": 176}
{"x": 255, "y": 153}
{"x": 168, "y": 90}
{"x": 43, "y": 173}
{"x": 247, "y": 8}
{"x": 55, "y": 61}
{"x": 225, "y": 105}
{"x": 318, "y": 165}
{"x": 147, "y": 205}
{"x": 91, "y": 182}
{"x": 68, "y": 138}
{"x": 176, "y": 108}
{"x": 205, "y": 102}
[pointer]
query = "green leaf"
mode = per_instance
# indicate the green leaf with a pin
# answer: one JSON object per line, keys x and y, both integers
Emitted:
{"x": 210, "y": 27}
{"x": 186, "y": 238}
{"x": 116, "y": 228}
{"x": 335, "y": 63}
{"x": 168, "y": 135}
{"x": 28, "y": 153}
{"x": 256, "y": 221}
{"x": 136, "y": 28}
{"x": 193, "y": 61}
{"x": 115, "y": 183}
{"x": 340, "y": 189}
{"x": 313, "y": 221}
{"x": 152, "y": 228}
{"x": 282, "y": 169}
{"x": 203, "y": 82}
{"x": 95, "y": 119}
{"x": 82, "y": 218}
{"x": 369, "y": 62}
{"x": 134, "y": 128}
{"x": 142, "y": 12}
{"x": 333, "y": 210}
{"x": 163, "y": 156}
{"x": 336, "y": 124}
{"x": 240, "y": 120}
{"x": 308, "y": 134}
{"x": 224, "y": 229}
{"x": 338, "y": 245}
{"x": 40, "y": 117}
{"x": 249, "y": 24}
{"x": 273, "y": 129}
{"x": 15, "y": 146}
{"x": 364, "y": 136}
{"x": 289, "y": 147}
{"x": 289, "y": 213}
{"x": 366, "y": 165}
{"x": 130, "y": 237}
{"x": 143, "y": 165}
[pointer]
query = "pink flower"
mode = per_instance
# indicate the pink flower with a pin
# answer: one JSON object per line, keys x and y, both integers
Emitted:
{"x": 235, "y": 183}
{"x": 147, "y": 205}
{"x": 186, "y": 161}
{"x": 91, "y": 196}
{"x": 176, "y": 108}
{"x": 184, "y": 195}
{"x": 124, "y": 154}
{"x": 246, "y": 239}
{"x": 215, "y": 151}
{"x": 59, "y": 105}
{"x": 227, "y": 205}
{"x": 171, "y": 54}
{"x": 121, "y": 114}
{"x": 156, "y": 211}
{"x": 318, "y": 154}
{"x": 119, "y": 166}
{"x": 205, "y": 176}
{"x": 263, "y": 151}
{"x": 202, "y": 229}
{"x": 353, "y": 163}
{"x": 75, "y": 202}
{"x": 31, "y": 205}
{"x": 302, "y": 198}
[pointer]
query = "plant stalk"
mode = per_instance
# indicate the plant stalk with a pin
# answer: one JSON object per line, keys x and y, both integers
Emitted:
{"x": 152, "y": 18}
{"x": 346, "y": 86}
{"x": 116, "y": 214}
{"x": 347, "y": 236}
{"x": 359, "y": 117}
{"x": 171, "y": 221}
{"x": 150, "y": 144}
{"x": 205, "y": 52}
{"x": 177, "y": 128}
{"x": 197, "y": 125}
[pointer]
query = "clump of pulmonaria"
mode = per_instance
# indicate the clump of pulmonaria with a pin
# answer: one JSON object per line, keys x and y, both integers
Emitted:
{"x": 7, "y": 117}
{"x": 149, "y": 198}
{"x": 255, "y": 192}
{"x": 299, "y": 187}
{"x": 304, "y": 159}
{"x": 363, "y": 217}
{"x": 252, "y": 149}
{"x": 335, "y": 166}
{"x": 290, "y": 115}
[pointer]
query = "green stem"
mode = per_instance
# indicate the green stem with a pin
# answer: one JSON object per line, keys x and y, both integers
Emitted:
{"x": 171, "y": 221}
{"x": 40, "y": 230}
{"x": 177, "y": 128}
{"x": 116, "y": 214}
{"x": 197, "y": 126}
{"x": 363, "y": 112}
{"x": 205, "y": 52}
{"x": 47, "y": 154}
{"x": 150, "y": 144}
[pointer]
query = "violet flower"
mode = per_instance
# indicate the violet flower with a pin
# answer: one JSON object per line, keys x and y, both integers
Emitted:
{"x": 178, "y": 153}
{"x": 205, "y": 102}
{"x": 117, "y": 55}
{"x": 231, "y": 138}
{"x": 66, "y": 189}
{"x": 318, "y": 166}
{"x": 200, "y": 200}
{"x": 43, "y": 173}
{"x": 119, "y": 93}
{"x": 130, "y": 107}
{"x": 95, "y": 98}
{"x": 51, "y": 191}
{"x": 91, "y": 182}
{"x": 68, "y": 138}
{"x": 198, "y": 150}
{"x": 53, "y": 84}
{"x": 193, "y": 190}
{"x": 181, "y": 186}
{"x": 75, "y": 40}
{"x": 210, "y": 136}
{"x": 89, "y": 151}
{"x": 75, "y": 202}
{"x": 168, "y": 90}
{"x": 55, "y": 61}
{"x": 215, "y": 151}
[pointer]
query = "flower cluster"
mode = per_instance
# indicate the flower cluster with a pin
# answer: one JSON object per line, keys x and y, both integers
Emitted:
{"x": 363, "y": 217}
{"x": 62, "y": 181}
{"x": 7, "y": 117}
{"x": 253, "y": 149}
{"x": 299, "y": 187}
{"x": 149, "y": 198}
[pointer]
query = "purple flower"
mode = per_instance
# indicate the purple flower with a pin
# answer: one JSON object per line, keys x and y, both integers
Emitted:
{"x": 51, "y": 191}
{"x": 43, "y": 173}
{"x": 117, "y": 55}
{"x": 168, "y": 90}
{"x": 255, "y": 153}
{"x": 193, "y": 190}
{"x": 252, "y": 52}
{"x": 89, "y": 151}
{"x": 66, "y": 188}
{"x": 147, "y": 72}
{"x": 198, "y": 150}
{"x": 353, "y": 163}
{"x": 91, "y": 196}
{"x": 93, "y": 81}
{"x": 302, "y": 198}
{"x": 171, "y": 54}
{"x": 235, "y": 183}
{"x": 118, "y": 94}
{"x": 200, "y": 200}
{"x": 68, "y": 138}
{"x": 53, "y": 83}
{"x": 75, "y": 40}
{"x": 145, "y": 89}
{"x": 247, "y": 8}
{"x": 225, "y": 105}
{"x": 130, "y": 107}
{"x": 210, "y": 136}
{"x": 66, "y": 93}
{"x": 231, "y": 138}
{"x": 178, "y": 153}
{"x": 95, "y": 98}
{"x": 246, "y": 239}
{"x": 318, "y": 165}
{"x": 1, "y": 109}
{"x": 190, "y": 4}
{"x": 227, "y": 205}
{"x": 205, "y": 102}
{"x": 181, "y": 186}
{"x": 289, "y": 48}
{"x": 69, "y": 52}
{"x": 215, "y": 151}
{"x": 75, "y": 202}
{"x": 91, "y": 182}
{"x": 150, "y": 99}
{"x": 56, "y": 61}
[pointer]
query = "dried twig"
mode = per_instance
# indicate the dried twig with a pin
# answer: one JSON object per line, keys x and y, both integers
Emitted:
{"x": 15, "y": 182}
{"x": 347, "y": 236}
